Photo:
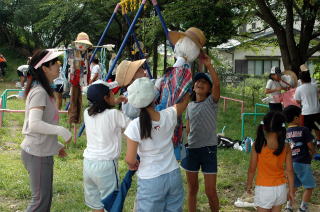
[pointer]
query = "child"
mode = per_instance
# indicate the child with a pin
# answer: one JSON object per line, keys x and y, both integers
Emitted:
{"x": 274, "y": 86}
{"x": 307, "y": 95}
{"x": 269, "y": 155}
{"x": 159, "y": 180}
{"x": 300, "y": 140}
{"x": 202, "y": 140}
{"x": 103, "y": 130}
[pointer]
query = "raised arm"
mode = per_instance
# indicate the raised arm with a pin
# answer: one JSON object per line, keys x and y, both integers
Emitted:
{"x": 181, "y": 106}
{"x": 215, "y": 92}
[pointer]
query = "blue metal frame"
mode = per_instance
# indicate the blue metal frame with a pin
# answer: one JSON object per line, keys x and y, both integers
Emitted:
{"x": 124, "y": 42}
{"x": 105, "y": 32}
{"x": 138, "y": 45}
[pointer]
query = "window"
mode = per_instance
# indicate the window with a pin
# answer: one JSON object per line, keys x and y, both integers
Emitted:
{"x": 259, "y": 67}
{"x": 253, "y": 25}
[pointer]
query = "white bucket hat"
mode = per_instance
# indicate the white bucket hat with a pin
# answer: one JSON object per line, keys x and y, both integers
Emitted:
{"x": 141, "y": 92}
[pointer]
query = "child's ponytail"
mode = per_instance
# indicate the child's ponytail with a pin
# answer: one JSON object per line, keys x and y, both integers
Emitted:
{"x": 145, "y": 123}
{"x": 260, "y": 139}
{"x": 272, "y": 122}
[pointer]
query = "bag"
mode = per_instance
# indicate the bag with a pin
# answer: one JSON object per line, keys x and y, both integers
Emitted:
{"x": 225, "y": 142}
{"x": 247, "y": 144}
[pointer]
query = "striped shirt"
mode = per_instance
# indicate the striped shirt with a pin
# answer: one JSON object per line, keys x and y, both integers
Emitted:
{"x": 202, "y": 118}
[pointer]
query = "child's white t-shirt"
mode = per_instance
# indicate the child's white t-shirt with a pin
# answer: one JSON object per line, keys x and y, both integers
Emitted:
{"x": 95, "y": 69}
{"x": 307, "y": 93}
{"x": 156, "y": 154}
{"x": 103, "y": 132}
{"x": 272, "y": 84}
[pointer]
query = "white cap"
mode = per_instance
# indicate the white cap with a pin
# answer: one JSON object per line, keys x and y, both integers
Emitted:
{"x": 141, "y": 92}
{"x": 275, "y": 70}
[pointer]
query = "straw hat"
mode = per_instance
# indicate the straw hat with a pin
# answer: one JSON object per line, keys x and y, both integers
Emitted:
{"x": 293, "y": 76}
{"x": 83, "y": 37}
{"x": 126, "y": 71}
{"x": 195, "y": 34}
{"x": 304, "y": 67}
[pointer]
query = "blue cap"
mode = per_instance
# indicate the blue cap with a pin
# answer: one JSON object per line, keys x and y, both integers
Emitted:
{"x": 97, "y": 92}
{"x": 201, "y": 75}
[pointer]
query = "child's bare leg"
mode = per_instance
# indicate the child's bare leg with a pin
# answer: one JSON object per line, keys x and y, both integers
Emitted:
{"x": 307, "y": 194}
{"x": 100, "y": 210}
{"x": 276, "y": 208}
{"x": 263, "y": 209}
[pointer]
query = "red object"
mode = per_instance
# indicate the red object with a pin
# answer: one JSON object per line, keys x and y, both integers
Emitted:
{"x": 116, "y": 89}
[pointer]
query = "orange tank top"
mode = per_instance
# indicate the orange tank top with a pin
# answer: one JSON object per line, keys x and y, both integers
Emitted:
{"x": 271, "y": 167}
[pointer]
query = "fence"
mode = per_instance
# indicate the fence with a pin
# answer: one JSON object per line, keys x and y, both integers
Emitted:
{"x": 256, "y": 109}
{"x": 4, "y": 109}
{"x": 231, "y": 99}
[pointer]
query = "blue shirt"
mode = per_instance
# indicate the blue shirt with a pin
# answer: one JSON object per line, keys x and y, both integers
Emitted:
{"x": 298, "y": 138}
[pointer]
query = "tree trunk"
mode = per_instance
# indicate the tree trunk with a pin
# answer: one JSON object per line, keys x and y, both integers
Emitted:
{"x": 155, "y": 58}
{"x": 165, "y": 56}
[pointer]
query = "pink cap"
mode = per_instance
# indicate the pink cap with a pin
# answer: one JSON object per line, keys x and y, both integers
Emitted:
{"x": 52, "y": 53}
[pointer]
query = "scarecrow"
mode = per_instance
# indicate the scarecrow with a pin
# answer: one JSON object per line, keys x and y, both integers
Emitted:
{"x": 177, "y": 81}
{"x": 79, "y": 74}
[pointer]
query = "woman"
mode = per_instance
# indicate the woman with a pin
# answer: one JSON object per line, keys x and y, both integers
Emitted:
{"x": 40, "y": 129}
{"x": 274, "y": 86}
{"x": 159, "y": 179}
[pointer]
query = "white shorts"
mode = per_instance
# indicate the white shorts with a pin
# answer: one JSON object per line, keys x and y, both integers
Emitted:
{"x": 268, "y": 196}
{"x": 100, "y": 178}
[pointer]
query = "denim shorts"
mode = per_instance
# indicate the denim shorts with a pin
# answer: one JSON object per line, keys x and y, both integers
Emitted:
{"x": 163, "y": 193}
{"x": 204, "y": 158}
{"x": 303, "y": 175}
{"x": 100, "y": 178}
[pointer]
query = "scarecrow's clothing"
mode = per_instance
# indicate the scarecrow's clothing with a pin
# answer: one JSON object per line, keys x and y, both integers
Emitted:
{"x": 176, "y": 83}
{"x": 75, "y": 104}
{"x": 79, "y": 75}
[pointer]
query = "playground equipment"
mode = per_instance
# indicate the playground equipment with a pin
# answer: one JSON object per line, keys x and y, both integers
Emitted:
{"x": 234, "y": 100}
{"x": 256, "y": 109}
{"x": 4, "y": 109}
{"x": 243, "y": 115}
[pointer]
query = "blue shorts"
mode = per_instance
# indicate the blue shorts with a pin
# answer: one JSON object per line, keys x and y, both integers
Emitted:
{"x": 204, "y": 157}
{"x": 303, "y": 175}
{"x": 162, "y": 193}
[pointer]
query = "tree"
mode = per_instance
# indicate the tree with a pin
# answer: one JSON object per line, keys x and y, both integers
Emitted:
{"x": 281, "y": 16}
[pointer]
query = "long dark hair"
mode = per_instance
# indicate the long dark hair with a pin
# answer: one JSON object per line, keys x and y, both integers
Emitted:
{"x": 38, "y": 74}
{"x": 145, "y": 123}
{"x": 99, "y": 107}
{"x": 272, "y": 122}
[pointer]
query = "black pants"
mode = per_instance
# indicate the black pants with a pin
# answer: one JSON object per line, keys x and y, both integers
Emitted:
{"x": 275, "y": 107}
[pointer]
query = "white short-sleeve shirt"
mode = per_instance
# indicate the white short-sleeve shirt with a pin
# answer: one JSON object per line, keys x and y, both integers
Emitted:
{"x": 272, "y": 84}
{"x": 103, "y": 132}
{"x": 307, "y": 93}
{"x": 156, "y": 153}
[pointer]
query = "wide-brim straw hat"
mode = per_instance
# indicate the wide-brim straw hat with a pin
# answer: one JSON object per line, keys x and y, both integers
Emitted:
{"x": 83, "y": 37}
{"x": 126, "y": 71}
{"x": 293, "y": 77}
{"x": 195, "y": 34}
{"x": 304, "y": 67}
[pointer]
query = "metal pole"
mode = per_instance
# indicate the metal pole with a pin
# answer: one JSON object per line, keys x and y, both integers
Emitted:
{"x": 105, "y": 32}
{"x": 138, "y": 45}
{"x": 124, "y": 42}
{"x": 163, "y": 23}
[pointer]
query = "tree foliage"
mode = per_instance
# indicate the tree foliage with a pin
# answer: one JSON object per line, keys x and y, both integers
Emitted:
{"x": 295, "y": 24}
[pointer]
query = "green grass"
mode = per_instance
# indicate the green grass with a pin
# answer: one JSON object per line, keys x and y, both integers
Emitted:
{"x": 68, "y": 185}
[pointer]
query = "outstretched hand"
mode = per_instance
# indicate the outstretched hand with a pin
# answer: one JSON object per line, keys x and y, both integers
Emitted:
{"x": 62, "y": 153}
{"x": 121, "y": 99}
{"x": 204, "y": 59}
